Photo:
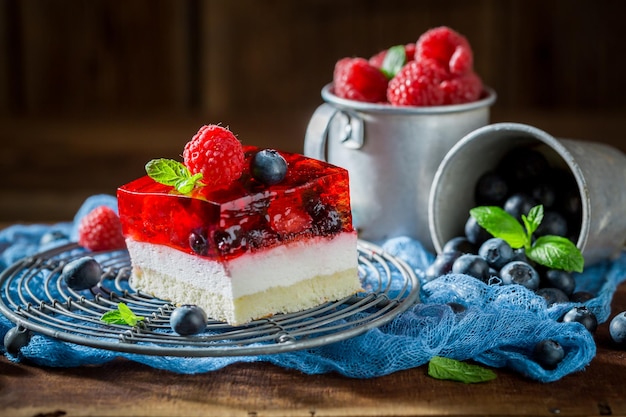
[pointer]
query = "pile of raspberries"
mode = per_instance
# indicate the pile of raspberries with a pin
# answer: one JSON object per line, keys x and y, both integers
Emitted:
{"x": 436, "y": 70}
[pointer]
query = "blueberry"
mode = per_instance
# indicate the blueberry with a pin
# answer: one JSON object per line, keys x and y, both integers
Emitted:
{"x": 581, "y": 297}
{"x": 518, "y": 204}
{"x": 474, "y": 232}
{"x": 583, "y": 316}
{"x": 472, "y": 265}
{"x": 188, "y": 320}
{"x": 441, "y": 265}
{"x": 553, "y": 223}
{"x": 497, "y": 252}
{"x": 544, "y": 193}
{"x": 557, "y": 278}
{"x": 617, "y": 328}
{"x": 82, "y": 273}
{"x": 552, "y": 295}
{"x": 457, "y": 308}
{"x": 523, "y": 166}
{"x": 268, "y": 167}
{"x": 16, "y": 338}
{"x": 491, "y": 189}
{"x": 548, "y": 353}
{"x": 459, "y": 244}
{"x": 522, "y": 273}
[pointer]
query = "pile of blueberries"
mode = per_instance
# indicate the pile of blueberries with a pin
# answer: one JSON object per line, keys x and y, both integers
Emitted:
{"x": 523, "y": 179}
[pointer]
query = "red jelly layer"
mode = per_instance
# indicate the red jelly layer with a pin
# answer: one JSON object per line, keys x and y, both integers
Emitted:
{"x": 312, "y": 200}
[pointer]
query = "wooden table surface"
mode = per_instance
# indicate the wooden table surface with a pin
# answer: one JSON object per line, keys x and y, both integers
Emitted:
{"x": 125, "y": 388}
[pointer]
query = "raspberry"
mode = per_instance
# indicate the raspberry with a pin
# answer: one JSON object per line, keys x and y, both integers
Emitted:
{"x": 377, "y": 60}
{"x": 462, "y": 89}
{"x": 287, "y": 220}
{"x": 216, "y": 153}
{"x": 417, "y": 84}
{"x": 101, "y": 229}
{"x": 356, "y": 79}
{"x": 451, "y": 49}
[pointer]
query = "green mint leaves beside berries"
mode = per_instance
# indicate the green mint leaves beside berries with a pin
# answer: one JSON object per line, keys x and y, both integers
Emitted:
{"x": 394, "y": 60}
{"x": 123, "y": 315}
{"x": 452, "y": 369}
{"x": 555, "y": 252}
{"x": 173, "y": 173}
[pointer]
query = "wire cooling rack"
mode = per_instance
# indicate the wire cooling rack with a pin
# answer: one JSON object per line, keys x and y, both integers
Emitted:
{"x": 34, "y": 298}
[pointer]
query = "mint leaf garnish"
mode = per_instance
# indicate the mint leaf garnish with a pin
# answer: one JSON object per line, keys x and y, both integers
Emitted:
{"x": 123, "y": 315}
{"x": 500, "y": 224}
{"x": 173, "y": 173}
{"x": 555, "y": 252}
{"x": 394, "y": 60}
{"x": 445, "y": 368}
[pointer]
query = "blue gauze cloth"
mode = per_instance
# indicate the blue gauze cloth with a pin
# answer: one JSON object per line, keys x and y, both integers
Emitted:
{"x": 499, "y": 327}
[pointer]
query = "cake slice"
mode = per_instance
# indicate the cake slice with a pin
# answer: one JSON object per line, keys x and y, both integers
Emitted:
{"x": 247, "y": 249}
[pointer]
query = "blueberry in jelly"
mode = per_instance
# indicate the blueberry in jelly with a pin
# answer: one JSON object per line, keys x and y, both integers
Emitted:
{"x": 558, "y": 278}
{"x": 325, "y": 218}
{"x": 472, "y": 265}
{"x": 497, "y": 252}
{"x": 522, "y": 273}
{"x": 491, "y": 189}
{"x": 583, "y": 316}
{"x": 268, "y": 167}
{"x": 475, "y": 232}
{"x": 198, "y": 243}
{"x": 188, "y": 320}
{"x": 518, "y": 204}
{"x": 82, "y": 273}
{"x": 548, "y": 353}
{"x": 459, "y": 244}
{"x": 441, "y": 265}
{"x": 552, "y": 295}
{"x": 617, "y": 328}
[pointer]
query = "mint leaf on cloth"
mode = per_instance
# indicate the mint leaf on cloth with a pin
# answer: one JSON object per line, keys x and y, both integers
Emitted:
{"x": 445, "y": 368}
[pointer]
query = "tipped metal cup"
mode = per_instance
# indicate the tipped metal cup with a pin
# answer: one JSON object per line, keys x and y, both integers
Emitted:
{"x": 599, "y": 171}
{"x": 391, "y": 154}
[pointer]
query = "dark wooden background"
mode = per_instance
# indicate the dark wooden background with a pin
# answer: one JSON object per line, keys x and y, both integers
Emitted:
{"x": 92, "y": 89}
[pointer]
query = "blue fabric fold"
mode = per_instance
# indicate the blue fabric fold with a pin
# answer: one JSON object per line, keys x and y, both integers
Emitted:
{"x": 498, "y": 327}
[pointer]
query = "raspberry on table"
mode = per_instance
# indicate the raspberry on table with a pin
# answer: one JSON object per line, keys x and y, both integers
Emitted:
{"x": 356, "y": 79}
{"x": 448, "y": 47}
{"x": 216, "y": 153}
{"x": 417, "y": 84}
{"x": 101, "y": 229}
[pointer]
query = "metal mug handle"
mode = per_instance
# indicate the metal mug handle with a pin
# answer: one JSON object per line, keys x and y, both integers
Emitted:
{"x": 316, "y": 135}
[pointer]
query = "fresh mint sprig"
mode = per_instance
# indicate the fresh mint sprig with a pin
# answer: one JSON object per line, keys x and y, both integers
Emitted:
{"x": 555, "y": 252}
{"x": 452, "y": 369}
{"x": 123, "y": 315}
{"x": 394, "y": 60}
{"x": 173, "y": 173}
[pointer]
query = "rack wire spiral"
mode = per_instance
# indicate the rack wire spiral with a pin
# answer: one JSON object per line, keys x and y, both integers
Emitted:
{"x": 34, "y": 298}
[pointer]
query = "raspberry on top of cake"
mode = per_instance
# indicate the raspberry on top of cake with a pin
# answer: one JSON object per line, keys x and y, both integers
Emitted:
{"x": 240, "y": 231}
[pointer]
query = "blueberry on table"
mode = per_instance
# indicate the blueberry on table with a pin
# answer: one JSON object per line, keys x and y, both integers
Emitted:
{"x": 441, "y": 265}
{"x": 459, "y": 244}
{"x": 617, "y": 328}
{"x": 188, "y": 319}
{"x": 474, "y": 232}
{"x": 558, "y": 278}
{"x": 491, "y": 189}
{"x": 552, "y": 296}
{"x": 497, "y": 252}
{"x": 472, "y": 265}
{"x": 82, "y": 273}
{"x": 269, "y": 167}
{"x": 548, "y": 353}
{"x": 583, "y": 316}
{"x": 522, "y": 273}
{"x": 581, "y": 297}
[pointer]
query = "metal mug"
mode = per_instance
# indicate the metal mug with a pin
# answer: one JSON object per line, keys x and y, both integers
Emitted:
{"x": 391, "y": 154}
{"x": 599, "y": 171}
